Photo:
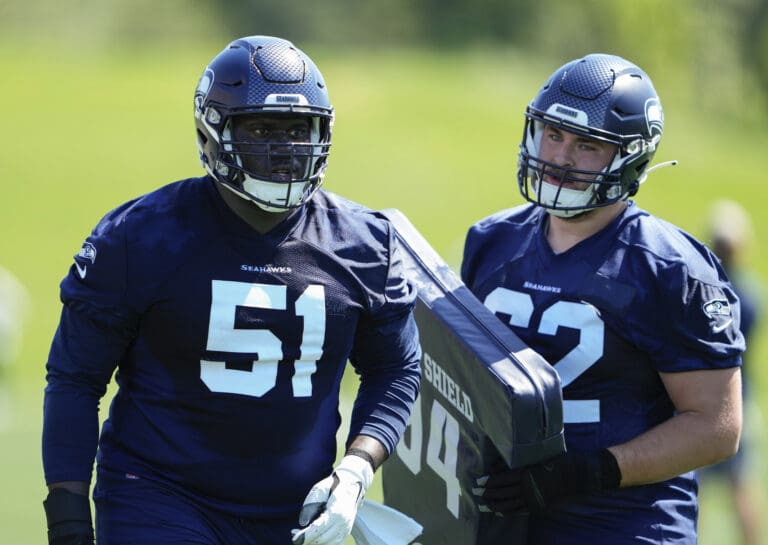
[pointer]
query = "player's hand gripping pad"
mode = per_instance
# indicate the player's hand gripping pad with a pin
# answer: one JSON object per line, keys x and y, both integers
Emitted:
{"x": 485, "y": 398}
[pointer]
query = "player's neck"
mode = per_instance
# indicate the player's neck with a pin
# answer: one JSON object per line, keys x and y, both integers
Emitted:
{"x": 565, "y": 233}
{"x": 260, "y": 220}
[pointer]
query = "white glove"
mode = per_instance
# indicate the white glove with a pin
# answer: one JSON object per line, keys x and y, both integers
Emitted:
{"x": 331, "y": 505}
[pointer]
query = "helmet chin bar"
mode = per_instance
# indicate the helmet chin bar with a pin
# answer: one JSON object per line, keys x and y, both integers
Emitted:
{"x": 293, "y": 196}
{"x": 275, "y": 197}
{"x": 269, "y": 195}
{"x": 561, "y": 201}
{"x": 604, "y": 188}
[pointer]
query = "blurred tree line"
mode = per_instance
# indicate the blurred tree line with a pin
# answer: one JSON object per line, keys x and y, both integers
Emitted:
{"x": 721, "y": 45}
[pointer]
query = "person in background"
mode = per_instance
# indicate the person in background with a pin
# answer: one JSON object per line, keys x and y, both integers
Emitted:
{"x": 14, "y": 306}
{"x": 229, "y": 305}
{"x": 636, "y": 316}
{"x": 730, "y": 235}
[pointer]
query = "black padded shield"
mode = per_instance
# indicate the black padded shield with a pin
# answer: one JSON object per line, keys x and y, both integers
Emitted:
{"x": 485, "y": 398}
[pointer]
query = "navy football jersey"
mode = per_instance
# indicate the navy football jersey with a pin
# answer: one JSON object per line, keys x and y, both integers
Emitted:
{"x": 637, "y": 298}
{"x": 229, "y": 346}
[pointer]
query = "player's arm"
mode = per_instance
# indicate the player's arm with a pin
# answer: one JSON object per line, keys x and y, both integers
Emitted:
{"x": 80, "y": 364}
{"x": 706, "y": 425}
{"x": 387, "y": 356}
{"x": 98, "y": 322}
{"x": 368, "y": 448}
{"x": 79, "y": 368}
{"x": 70, "y": 430}
{"x": 706, "y": 392}
{"x": 705, "y": 429}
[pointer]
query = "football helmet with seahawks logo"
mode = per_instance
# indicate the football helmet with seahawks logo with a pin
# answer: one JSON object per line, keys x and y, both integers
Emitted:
{"x": 264, "y": 78}
{"x": 599, "y": 96}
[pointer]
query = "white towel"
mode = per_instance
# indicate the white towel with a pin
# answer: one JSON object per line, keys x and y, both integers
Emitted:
{"x": 378, "y": 524}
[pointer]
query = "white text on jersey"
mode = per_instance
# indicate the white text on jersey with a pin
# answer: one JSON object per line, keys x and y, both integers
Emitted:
{"x": 541, "y": 287}
{"x": 277, "y": 269}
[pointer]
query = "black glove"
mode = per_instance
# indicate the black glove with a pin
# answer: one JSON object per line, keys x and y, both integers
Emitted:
{"x": 533, "y": 488}
{"x": 69, "y": 518}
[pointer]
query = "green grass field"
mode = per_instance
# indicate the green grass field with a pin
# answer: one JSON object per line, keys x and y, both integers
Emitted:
{"x": 435, "y": 137}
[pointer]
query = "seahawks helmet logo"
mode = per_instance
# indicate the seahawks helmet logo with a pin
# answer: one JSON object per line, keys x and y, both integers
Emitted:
{"x": 654, "y": 116}
{"x": 203, "y": 87}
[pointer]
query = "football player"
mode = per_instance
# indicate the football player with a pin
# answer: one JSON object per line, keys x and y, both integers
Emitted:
{"x": 229, "y": 306}
{"x": 730, "y": 234}
{"x": 14, "y": 311}
{"x": 637, "y": 317}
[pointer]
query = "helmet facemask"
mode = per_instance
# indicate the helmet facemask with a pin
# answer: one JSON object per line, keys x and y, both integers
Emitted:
{"x": 277, "y": 174}
{"x": 560, "y": 200}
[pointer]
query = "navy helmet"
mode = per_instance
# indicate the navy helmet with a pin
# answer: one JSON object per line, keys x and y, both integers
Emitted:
{"x": 599, "y": 96}
{"x": 263, "y": 76}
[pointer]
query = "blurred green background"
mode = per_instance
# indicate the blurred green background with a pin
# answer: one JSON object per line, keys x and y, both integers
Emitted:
{"x": 429, "y": 98}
